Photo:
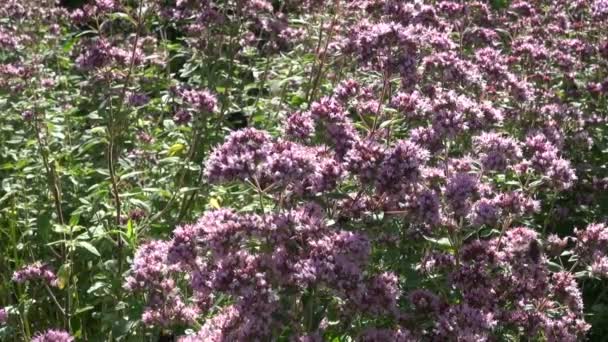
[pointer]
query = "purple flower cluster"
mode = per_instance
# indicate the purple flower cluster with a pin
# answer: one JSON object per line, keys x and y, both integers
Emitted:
{"x": 264, "y": 26}
{"x": 201, "y": 100}
{"x": 151, "y": 272}
{"x": 299, "y": 125}
{"x": 460, "y": 189}
{"x": 388, "y": 33}
{"x": 475, "y": 142}
{"x": 364, "y": 160}
{"x": 137, "y": 99}
{"x": 199, "y": 103}
{"x": 252, "y": 155}
{"x": 488, "y": 210}
{"x": 496, "y": 152}
{"x": 452, "y": 138}
{"x": 255, "y": 258}
{"x": 592, "y": 247}
{"x": 511, "y": 269}
{"x": 401, "y": 166}
{"x": 101, "y": 53}
{"x": 239, "y": 156}
{"x": 545, "y": 159}
{"x": 465, "y": 323}
{"x": 3, "y": 316}
{"x": 53, "y": 336}
{"x": 35, "y": 271}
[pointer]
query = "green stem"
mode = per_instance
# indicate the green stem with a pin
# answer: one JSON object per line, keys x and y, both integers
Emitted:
{"x": 263, "y": 84}
{"x": 310, "y": 309}
{"x": 323, "y": 58}
{"x": 548, "y": 217}
{"x": 113, "y": 135}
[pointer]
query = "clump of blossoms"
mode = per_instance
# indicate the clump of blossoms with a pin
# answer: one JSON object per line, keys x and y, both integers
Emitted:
{"x": 34, "y": 272}
{"x": 439, "y": 158}
{"x": 260, "y": 261}
{"x": 592, "y": 248}
{"x": 264, "y": 25}
{"x": 452, "y": 156}
{"x": 3, "y": 316}
{"x": 53, "y": 336}
{"x": 197, "y": 103}
{"x": 302, "y": 246}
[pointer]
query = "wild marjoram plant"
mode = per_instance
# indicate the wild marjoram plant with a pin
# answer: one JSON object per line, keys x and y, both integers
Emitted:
{"x": 319, "y": 170}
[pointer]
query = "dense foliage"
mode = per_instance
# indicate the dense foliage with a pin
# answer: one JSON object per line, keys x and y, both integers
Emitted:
{"x": 313, "y": 170}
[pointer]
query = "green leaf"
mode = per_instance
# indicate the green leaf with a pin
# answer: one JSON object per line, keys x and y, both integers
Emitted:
{"x": 85, "y": 309}
{"x": 74, "y": 219}
{"x": 442, "y": 243}
{"x": 89, "y": 247}
{"x": 96, "y": 286}
{"x": 130, "y": 174}
{"x": 121, "y": 15}
{"x": 554, "y": 267}
{"x": 140, "y": 204}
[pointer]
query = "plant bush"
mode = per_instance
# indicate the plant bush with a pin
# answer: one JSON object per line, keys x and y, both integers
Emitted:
{"x": 341, "y": 170}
